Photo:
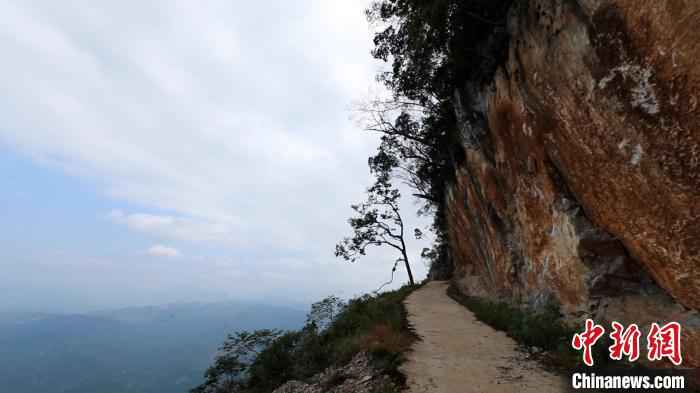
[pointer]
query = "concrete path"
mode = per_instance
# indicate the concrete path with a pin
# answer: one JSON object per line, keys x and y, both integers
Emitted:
{"x": 459, "y": 354}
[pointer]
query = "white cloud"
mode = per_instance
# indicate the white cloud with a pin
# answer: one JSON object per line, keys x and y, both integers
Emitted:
{"x": 178, "y": 228}
{"x": 257, "y": 143}
{"x": 218, "y": 123}
{"x": 159, "y": 250}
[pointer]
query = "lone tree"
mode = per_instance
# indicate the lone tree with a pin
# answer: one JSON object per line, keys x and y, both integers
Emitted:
{"x": 324, "y": 312}
{"x": 377, "y": 221}
{"x": 232, "y": 365}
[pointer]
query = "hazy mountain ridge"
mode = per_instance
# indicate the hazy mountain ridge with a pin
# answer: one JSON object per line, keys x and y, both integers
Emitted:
{"x": 157, "y": 349}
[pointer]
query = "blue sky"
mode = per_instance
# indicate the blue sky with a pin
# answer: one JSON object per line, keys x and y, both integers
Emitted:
{"x": 182, "y": 151}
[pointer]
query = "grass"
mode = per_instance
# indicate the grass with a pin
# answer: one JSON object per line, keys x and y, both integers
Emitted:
{"x": 547, "y": 331}
{"x": 376, "y": 324}
{"x": 542, "y": 329}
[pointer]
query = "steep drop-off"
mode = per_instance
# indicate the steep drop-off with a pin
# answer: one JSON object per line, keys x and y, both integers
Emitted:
{"x": 582, "y": 188}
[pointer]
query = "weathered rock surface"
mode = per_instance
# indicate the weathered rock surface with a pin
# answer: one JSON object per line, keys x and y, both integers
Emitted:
{"x": 584, "y": 186}
{"x": 358, "y": 376}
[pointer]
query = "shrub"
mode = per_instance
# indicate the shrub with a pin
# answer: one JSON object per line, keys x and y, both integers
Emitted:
{"x": 543, "y": 329}
{"x": 333, "y": 334}
{"x": 383, "y": 338}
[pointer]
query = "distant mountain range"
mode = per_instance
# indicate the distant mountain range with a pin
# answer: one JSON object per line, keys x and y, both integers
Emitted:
{"x": 162, "y": 349}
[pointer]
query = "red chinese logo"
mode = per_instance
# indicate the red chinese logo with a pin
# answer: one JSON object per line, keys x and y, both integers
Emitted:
{"x": 625, "y": 342}
{"x": 587, "y": 340}
{"x": 665, "y": 342}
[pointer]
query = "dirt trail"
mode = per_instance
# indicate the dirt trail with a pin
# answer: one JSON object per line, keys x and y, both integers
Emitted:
{"x": 459, "y": 354}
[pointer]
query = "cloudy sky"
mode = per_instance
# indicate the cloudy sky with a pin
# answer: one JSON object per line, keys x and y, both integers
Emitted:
{"x": 165, "y": 151}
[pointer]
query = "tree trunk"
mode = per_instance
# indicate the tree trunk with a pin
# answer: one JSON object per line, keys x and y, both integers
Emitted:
{"x": 408, "y": 268}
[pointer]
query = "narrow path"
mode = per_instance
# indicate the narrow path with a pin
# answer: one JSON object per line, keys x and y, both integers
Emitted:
{"x": 459, "y": 354}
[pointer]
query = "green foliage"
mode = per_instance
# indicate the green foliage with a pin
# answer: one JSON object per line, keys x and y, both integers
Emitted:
{"x": 260, "y": 361}
{"x": 276, "y": 364}
{"x": 229, "y": 371}
{"x": 365, "y": 312}
{"x": 437, "y": 49}
{"x": 436, "y": 45}
{"x": 323, "y": 313}
{"x": 377, "y": 222}
{"x": 543, "y": 329}
{"x": 438, "y": 257}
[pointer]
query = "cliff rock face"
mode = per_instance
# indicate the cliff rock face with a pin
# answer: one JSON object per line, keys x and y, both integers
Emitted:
{"x": 582, "y": 187}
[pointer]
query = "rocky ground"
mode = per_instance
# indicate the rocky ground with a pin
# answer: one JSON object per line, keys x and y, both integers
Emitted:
{"x": 358, "y": 376}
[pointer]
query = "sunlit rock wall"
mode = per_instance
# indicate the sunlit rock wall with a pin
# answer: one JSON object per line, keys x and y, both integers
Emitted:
{"x": 583, "y": 185}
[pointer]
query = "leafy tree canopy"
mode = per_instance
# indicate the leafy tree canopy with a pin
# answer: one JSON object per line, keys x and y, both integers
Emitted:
{"x": 377, "y": 222}
{"x": 436, "y": 48}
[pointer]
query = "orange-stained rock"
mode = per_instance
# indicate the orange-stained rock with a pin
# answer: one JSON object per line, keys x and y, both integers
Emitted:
{"x": 586, "y": 189}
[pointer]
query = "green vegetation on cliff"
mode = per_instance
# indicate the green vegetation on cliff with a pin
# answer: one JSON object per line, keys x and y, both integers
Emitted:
{"x": 262, "y": 360}
{"x": 440, "y": 53}
{"x": 543, "y": 332}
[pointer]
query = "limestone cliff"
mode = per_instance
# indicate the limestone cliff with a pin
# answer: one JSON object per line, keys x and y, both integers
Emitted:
{"x": 583, "y": 184}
